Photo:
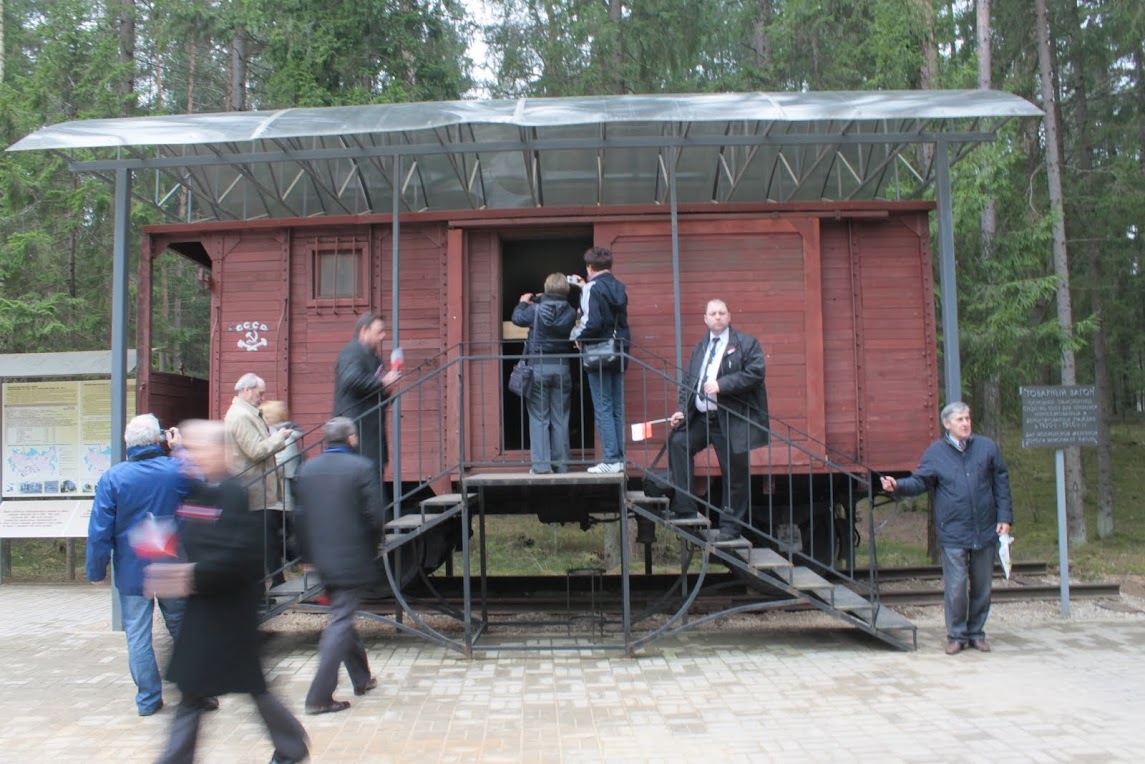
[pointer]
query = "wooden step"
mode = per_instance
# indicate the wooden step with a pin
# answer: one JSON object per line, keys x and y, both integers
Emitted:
{"x": 805, "y": 579}
{"x": 765, "y": 559}
{"x": 410, "y": 522}
{"x": 642, "y": 499}
{"x": 889, "y": 620}
{"x": 692, "y": 521}
{"x": 296, "y": 586}
{"x": 446, "y": 501}
{"x": 847, "y": 599}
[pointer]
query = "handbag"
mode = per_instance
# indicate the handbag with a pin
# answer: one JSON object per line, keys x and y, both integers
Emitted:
{"x": 657, "y": 484}
{"x": 521, "y": 377}
{"x": 603, "y": 355}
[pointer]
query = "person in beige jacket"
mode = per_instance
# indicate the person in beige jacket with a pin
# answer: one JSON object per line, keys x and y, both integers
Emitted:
{"x": 254, "y": 447}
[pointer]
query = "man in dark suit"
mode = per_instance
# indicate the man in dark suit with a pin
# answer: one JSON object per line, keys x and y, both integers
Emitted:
{"x": 217, "y": 648}
{"x": 340, "y": 515}
{"x": 723, "y": 402}
{"x": 361, "y": 384}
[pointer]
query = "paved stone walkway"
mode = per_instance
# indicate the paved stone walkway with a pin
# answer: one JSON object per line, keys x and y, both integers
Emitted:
{"x": 1053, "y": 691}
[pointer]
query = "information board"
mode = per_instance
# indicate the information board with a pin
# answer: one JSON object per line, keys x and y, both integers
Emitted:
{"x": 1058, "y": 416}
{"x": 44, "y": 518}
{"x": 56, "y": 437}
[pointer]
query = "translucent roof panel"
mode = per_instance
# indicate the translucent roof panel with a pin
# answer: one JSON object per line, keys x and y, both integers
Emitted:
{"x": 730, "y": 147}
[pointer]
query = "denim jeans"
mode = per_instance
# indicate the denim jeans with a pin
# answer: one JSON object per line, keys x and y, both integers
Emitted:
{"x": 967, "y": 575}
{"x": 607, "y": 389}
{"x": 137, "y": 614}
{"x": 548, "y": 405}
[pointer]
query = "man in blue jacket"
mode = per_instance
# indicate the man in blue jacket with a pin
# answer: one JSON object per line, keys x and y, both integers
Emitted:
{"x": 972, "y": 508}
{"x": 147, "y": 483}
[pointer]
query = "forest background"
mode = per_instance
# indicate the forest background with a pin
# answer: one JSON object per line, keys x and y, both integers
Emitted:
{"x": 1024, "y": 251}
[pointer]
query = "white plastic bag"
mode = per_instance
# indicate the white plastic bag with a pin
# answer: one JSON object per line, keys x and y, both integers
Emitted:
{"x": 1004, "y": 542}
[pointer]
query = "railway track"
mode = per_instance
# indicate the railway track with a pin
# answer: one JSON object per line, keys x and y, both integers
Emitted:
{"x": 515, "y": 595}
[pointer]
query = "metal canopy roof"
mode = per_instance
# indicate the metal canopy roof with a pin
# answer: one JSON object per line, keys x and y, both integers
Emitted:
{"x": 76, "y": 363}
{"x": 606, "y": 150}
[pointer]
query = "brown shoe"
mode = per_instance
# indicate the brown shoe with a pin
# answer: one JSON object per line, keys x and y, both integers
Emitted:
{"x": 332, "y": 707}
{"x": 980, "y": 645}
{"x": 953, "y": 647}
{"x": 370, "y": 684}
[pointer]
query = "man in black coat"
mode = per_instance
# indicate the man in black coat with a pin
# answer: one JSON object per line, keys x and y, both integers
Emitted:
{"x": 723, "y": 402}
{"x": 361, "y": 384}
{"x": 340, "y": 516}
{"x": 217, "y": 649}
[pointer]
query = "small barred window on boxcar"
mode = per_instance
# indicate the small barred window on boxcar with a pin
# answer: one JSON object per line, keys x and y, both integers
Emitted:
{"x": 337, "y": 274}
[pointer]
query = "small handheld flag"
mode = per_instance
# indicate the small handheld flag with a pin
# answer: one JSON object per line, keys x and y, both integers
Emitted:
{"x": 643, "y": 430}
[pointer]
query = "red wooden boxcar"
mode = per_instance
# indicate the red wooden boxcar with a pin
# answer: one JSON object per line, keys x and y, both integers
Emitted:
{"x": 840, "y": 295}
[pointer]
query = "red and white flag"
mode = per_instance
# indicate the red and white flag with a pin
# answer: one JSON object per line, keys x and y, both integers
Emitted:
{"x": 643, "y": 430}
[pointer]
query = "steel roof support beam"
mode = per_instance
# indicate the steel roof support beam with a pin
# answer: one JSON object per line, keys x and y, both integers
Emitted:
{"x": 562, "y": 144}
{"x": 951, "y": 362}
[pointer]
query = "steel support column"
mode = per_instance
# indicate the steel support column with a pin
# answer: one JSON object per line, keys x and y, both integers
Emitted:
{"x": 676, "y": 264}
{"x": 952, "y": 366}
{"x": 119, "y": 316}
{"x": 395, "y": 296}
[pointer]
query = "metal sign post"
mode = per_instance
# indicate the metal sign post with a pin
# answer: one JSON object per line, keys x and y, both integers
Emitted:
{"x": 1059, "y": 417}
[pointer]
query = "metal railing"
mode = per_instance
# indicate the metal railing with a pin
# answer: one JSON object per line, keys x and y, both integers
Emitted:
{"x": 458, "y": 418}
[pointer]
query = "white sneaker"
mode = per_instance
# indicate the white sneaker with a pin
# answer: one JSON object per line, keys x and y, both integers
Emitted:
{"x": 606, "y": 468}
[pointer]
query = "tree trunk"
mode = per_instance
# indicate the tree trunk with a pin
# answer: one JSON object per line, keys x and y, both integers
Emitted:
{"x": 989, "y": 409}
{"x": 1074, "y": 508}
{"x": 928, "y": 73}
{"x": 1094, "y": 271}
{"x": 615, "y": 14}
{"x": 236, "y": 95}
{"x": 125, "y": 29}
{"x": 761, "y": 37}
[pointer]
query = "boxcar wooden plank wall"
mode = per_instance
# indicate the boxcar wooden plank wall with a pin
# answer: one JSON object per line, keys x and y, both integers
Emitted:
{"x": 250, "y": 308}
{"x": 767, "y": 272}
{"x": 898, "y": 356}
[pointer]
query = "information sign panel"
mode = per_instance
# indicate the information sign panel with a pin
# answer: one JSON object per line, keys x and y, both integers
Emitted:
{"x": 1058, "y": 416}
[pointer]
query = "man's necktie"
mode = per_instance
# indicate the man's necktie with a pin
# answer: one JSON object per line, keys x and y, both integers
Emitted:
{"x": 715, "y": 345}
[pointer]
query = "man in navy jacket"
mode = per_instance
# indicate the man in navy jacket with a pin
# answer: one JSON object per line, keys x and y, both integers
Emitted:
{"x": 972, "y": 508}
{"x": 147, "y": 483}
{"x": 340, "y": 517}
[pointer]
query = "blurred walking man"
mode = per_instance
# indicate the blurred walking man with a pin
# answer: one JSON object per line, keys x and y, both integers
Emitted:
{"x": 972, "y": 508}
{"x": 340, "y": 513}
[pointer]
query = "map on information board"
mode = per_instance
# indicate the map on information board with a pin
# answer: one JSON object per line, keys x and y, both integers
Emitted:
{"x": 56, "y": 437}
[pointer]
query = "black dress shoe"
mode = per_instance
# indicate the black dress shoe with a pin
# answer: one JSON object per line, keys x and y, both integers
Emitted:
{"x": 332, "y": 707}
{"x": 209, "y": 703}
{"x": 369, "y": 685}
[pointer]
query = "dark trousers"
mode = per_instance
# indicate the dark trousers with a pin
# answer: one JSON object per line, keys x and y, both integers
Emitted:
{"x": 967, "y": 576}
{"x": 698, "y": 432}
{"x": 339, "y": 644}
{"x": 286, "y": 732}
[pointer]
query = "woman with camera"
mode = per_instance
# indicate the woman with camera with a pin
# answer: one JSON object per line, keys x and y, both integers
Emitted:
{"x": 550, "y": 319}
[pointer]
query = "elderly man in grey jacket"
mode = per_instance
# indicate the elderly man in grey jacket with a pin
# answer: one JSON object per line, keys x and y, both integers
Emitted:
{"x": 972, "y": 508}
{"x": 340, "y": 515}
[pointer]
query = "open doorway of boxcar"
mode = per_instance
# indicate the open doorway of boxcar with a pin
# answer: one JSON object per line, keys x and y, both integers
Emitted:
{"x": 526, "y": 260}
{"x": 180, "y": 335}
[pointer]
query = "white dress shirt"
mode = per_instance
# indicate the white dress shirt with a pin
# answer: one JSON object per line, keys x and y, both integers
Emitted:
{"x": 711, "y": 370}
